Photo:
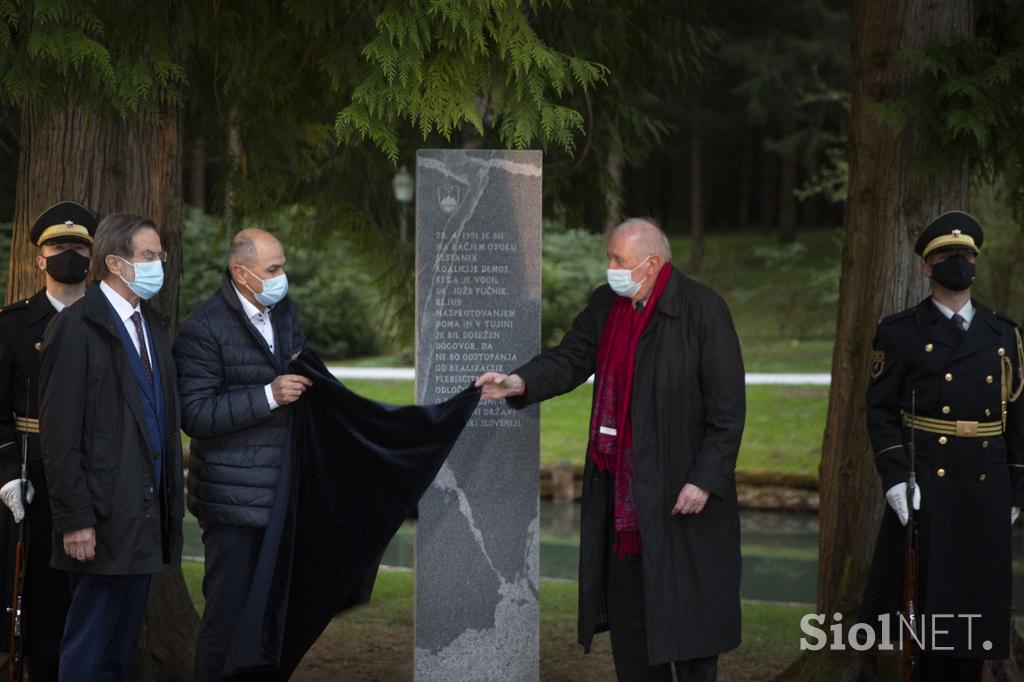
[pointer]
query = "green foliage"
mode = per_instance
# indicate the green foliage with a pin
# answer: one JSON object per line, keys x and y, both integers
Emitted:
{"x": 1000, "y": 282}
{"x": 792, "y": 73}
{"x": 336, "y": 295}
{"x": 801, "y": 297}
{"x": 121, "y": 54}
{"x": 573, "y": 266}
{"x": 441, "y": 65}
{"x": 967, "y": 100}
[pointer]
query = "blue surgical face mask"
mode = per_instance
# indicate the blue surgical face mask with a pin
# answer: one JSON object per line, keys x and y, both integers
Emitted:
{"x": 274, "y": 288}
{"x": 621, "y": 280}
{"x": 149, "y": 277}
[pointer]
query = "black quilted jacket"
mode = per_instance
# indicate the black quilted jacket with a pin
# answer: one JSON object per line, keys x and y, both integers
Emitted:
{"x": 237, "y": 442}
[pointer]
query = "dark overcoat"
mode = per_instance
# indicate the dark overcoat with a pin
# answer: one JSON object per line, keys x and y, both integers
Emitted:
{"x": 96, "y": 449}
{"x": 968, "y": 483}
{"x": 687, "y": 409}
{"x": 46, "y": 595}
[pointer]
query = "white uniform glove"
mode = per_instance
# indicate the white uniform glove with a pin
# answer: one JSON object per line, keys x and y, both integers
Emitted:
{"x": 1014, "y": 515}
{"x": 10, "y": 495}
{"x": 897, "y": 498}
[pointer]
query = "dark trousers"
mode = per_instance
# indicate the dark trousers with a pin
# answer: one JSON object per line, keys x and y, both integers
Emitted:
{"x": 947, "y": 669}
{"x": 627, "y": 624}
{"x": 102, "y": 628}
{"x": 231, "y": 554}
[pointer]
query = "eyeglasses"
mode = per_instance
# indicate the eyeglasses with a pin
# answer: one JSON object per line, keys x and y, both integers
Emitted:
{"x": 151, "y": 256}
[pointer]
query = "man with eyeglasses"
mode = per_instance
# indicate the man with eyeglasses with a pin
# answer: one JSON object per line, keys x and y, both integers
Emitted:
{"x": 109, "y": 431}
{"x": 63, "y": 235}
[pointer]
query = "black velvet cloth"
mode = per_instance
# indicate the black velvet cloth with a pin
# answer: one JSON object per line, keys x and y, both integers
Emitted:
{"x": 356, "y": 469}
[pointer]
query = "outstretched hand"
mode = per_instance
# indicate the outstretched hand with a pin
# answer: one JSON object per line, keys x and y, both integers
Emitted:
{"x": 495, "y": 386}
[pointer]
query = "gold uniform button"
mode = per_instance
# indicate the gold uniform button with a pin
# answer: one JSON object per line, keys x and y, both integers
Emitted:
{"x": 941, "y": 473}
{"x": 982, "y": 477}
{"x": 943, "y": 440}
{"x": 945, "y": 409}
{"x": 928, "y": 348}
{"x": 1002, "y": 352}
{"x": 988, "y": 379}
{"x": 949, "y": 377}
{"x": 984, "y": 443}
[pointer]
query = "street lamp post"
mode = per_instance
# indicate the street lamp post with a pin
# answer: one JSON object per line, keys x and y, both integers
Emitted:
{"x": 404, "y": 186}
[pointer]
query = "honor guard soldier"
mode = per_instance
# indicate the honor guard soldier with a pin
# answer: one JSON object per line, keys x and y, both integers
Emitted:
{"x": 63, "y": 234}
{"x": 946, "y": 374}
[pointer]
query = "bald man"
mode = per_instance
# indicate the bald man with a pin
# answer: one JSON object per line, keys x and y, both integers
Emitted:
{"x": 232, "y": 354}
{"x": 659, "y": 536}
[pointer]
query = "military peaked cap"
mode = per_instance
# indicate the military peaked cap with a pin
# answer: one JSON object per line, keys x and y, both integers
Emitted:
{"x": 64, "y": 221}
{"x": 951, "y": 230}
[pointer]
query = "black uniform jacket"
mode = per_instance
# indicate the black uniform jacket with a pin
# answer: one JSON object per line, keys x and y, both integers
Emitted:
{"x": 99, "y": 463}
{"x": 46, "y": 595}
{"x": 688, "y": 410}
{"x": 968, "y": 482}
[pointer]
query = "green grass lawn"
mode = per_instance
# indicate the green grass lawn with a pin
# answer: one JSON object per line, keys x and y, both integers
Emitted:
{"x": 783, "y": 431}
{"x": 375, "y": 641}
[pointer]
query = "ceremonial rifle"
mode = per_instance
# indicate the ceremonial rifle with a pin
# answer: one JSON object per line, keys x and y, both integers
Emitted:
{"x": 911, "y": 652}
{"x": 16, "y": 662}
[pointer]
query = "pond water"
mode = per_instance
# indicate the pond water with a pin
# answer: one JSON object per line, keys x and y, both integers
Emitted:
{"x": 779, "y": 549}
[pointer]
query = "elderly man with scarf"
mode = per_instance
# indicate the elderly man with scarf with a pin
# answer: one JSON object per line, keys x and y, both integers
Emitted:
{"x": 660, "y": 554}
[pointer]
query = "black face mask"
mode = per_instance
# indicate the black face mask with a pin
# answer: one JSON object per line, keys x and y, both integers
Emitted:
{"x": 67, "y": 267}
{"x": 956, "y": 273}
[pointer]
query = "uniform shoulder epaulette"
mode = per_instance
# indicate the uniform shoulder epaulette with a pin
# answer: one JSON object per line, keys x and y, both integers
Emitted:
{"x": 17, "y": 305}
{"x": 889, "y": 319}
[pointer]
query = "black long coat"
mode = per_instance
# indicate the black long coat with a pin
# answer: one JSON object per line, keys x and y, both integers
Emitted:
{"x": 688, "y": 410}
{"x": 99, "y": 463}
{"x": 968, "y": 484}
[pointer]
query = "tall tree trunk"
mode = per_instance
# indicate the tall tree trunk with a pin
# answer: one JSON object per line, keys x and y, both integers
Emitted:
{"x": 234, "y": 154}
{"x": 746, "y": 157}
{"x": 696, "y": 197}
{"x": 768, "y": 184}
{"x": 613, "y": 198}
{"x": 113, "y": 165}
{"x": 787, "y": 202}
{"x": 887, "y": 208}
{"x": 197, "y": 175}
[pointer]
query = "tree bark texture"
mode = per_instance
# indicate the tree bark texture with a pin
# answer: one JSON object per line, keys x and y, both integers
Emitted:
{"x": 787, "y": 202}
{"x": 696, "y": 198}
{"x": 888, "y": 206}
{"x": 108, "y": 165}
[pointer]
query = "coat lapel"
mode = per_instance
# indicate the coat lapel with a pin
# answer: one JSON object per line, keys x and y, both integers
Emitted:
{"x": 97, "y": 310}
{"x": 934, "y": 326}
{"x": 983, "y": 333}
{"x": 227, "y": 290}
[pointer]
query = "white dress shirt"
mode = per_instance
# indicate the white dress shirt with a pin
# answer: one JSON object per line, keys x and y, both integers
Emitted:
{"x": 124, "y": 311}
{"x": 967, "y": 312}
{"x": 55, "y": 302}
{"x": 261, "y": 320}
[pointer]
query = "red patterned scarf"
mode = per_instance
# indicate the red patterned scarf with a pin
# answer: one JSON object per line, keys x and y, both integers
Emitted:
{"x": 611, "y": 426}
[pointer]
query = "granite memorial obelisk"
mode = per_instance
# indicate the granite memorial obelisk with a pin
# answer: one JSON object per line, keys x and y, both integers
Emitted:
{"x": 478, "y": 305}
